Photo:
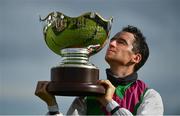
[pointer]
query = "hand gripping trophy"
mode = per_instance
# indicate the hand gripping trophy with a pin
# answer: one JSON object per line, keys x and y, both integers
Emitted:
{"x": 75, "y": 39}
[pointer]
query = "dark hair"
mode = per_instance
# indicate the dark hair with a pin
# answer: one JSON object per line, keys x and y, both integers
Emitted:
{"x": 139, "y": 45}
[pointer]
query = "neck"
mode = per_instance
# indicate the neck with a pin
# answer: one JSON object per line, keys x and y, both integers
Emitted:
{"x": 121, "y": 71}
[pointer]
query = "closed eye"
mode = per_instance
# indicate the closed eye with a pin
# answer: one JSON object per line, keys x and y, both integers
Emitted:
{"x": 121, "y": 41}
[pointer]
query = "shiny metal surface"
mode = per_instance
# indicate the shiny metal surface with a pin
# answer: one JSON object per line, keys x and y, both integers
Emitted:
{"x": 89, "y": 29}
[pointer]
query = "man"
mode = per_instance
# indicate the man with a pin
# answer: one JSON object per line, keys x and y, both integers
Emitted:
{"x": 125, "y": 94}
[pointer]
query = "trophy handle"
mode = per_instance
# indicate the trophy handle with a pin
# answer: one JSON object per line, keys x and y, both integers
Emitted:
{"x": 93, "y": 49}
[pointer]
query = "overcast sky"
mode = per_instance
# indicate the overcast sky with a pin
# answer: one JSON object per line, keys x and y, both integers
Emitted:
{"x": 25, "y": 58}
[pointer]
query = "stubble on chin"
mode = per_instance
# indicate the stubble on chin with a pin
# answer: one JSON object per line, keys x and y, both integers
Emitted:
{"x": 107, "y": 58}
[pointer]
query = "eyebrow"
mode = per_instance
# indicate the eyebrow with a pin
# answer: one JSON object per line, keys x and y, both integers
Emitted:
{"x": 122, "y": 40}
{"x": 119, "y": 39}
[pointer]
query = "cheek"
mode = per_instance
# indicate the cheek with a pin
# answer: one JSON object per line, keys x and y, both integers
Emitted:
{"x": 125, "y": 54}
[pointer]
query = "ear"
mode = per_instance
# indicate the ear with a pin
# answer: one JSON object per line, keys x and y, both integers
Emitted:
{"x": 137, "y": 58}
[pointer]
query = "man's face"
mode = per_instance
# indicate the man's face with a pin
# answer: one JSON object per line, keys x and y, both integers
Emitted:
{"x": 120, "y": 49}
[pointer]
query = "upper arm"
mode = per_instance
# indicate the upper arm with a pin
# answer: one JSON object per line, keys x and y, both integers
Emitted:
{"x": 152, "y": 104}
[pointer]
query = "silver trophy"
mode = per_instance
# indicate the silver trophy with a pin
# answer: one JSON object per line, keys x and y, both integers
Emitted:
{"x": 75, "y": 39}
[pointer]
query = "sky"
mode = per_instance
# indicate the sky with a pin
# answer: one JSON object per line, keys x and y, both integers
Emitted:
{"x": 25, "y": 59}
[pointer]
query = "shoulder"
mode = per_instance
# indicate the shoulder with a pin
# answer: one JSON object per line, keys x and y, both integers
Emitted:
{"x": 153, "y": 94}
{"x": 151, "y": 104}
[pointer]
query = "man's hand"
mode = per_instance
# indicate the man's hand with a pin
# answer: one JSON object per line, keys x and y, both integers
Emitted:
{"x": 109, "y": 92}
{"x": 42, "y": 93}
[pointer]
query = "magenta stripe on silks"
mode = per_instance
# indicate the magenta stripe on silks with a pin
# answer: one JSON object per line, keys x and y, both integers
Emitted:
{"x": 132, "y": 95}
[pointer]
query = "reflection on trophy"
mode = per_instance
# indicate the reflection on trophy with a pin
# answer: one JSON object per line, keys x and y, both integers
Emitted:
{"x": 75, "y": 39}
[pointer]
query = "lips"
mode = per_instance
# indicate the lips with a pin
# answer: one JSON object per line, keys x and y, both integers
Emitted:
{"x": 111, "y": 50}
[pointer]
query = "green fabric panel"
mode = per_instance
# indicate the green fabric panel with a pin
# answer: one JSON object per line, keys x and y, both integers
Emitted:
{"x": 93, "y": 106}
{"x": 120, "y": 90}
{"x": 140, "y": 101}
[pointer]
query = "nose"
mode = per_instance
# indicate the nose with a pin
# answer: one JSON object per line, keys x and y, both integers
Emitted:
{"x": 112, "y": 43}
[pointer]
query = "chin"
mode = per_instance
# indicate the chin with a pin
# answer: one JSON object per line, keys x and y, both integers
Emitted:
{"x": 108, "y": 59}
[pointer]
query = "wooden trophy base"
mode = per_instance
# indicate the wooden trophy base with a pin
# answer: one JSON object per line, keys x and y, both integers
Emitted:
{"x": 75, "y": 81}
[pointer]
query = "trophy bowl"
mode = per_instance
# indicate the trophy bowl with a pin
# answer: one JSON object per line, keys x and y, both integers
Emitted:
{"x": 75, "y": 39}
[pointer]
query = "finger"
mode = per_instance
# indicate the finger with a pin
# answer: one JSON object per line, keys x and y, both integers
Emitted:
{"x": 105, "y": 82}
